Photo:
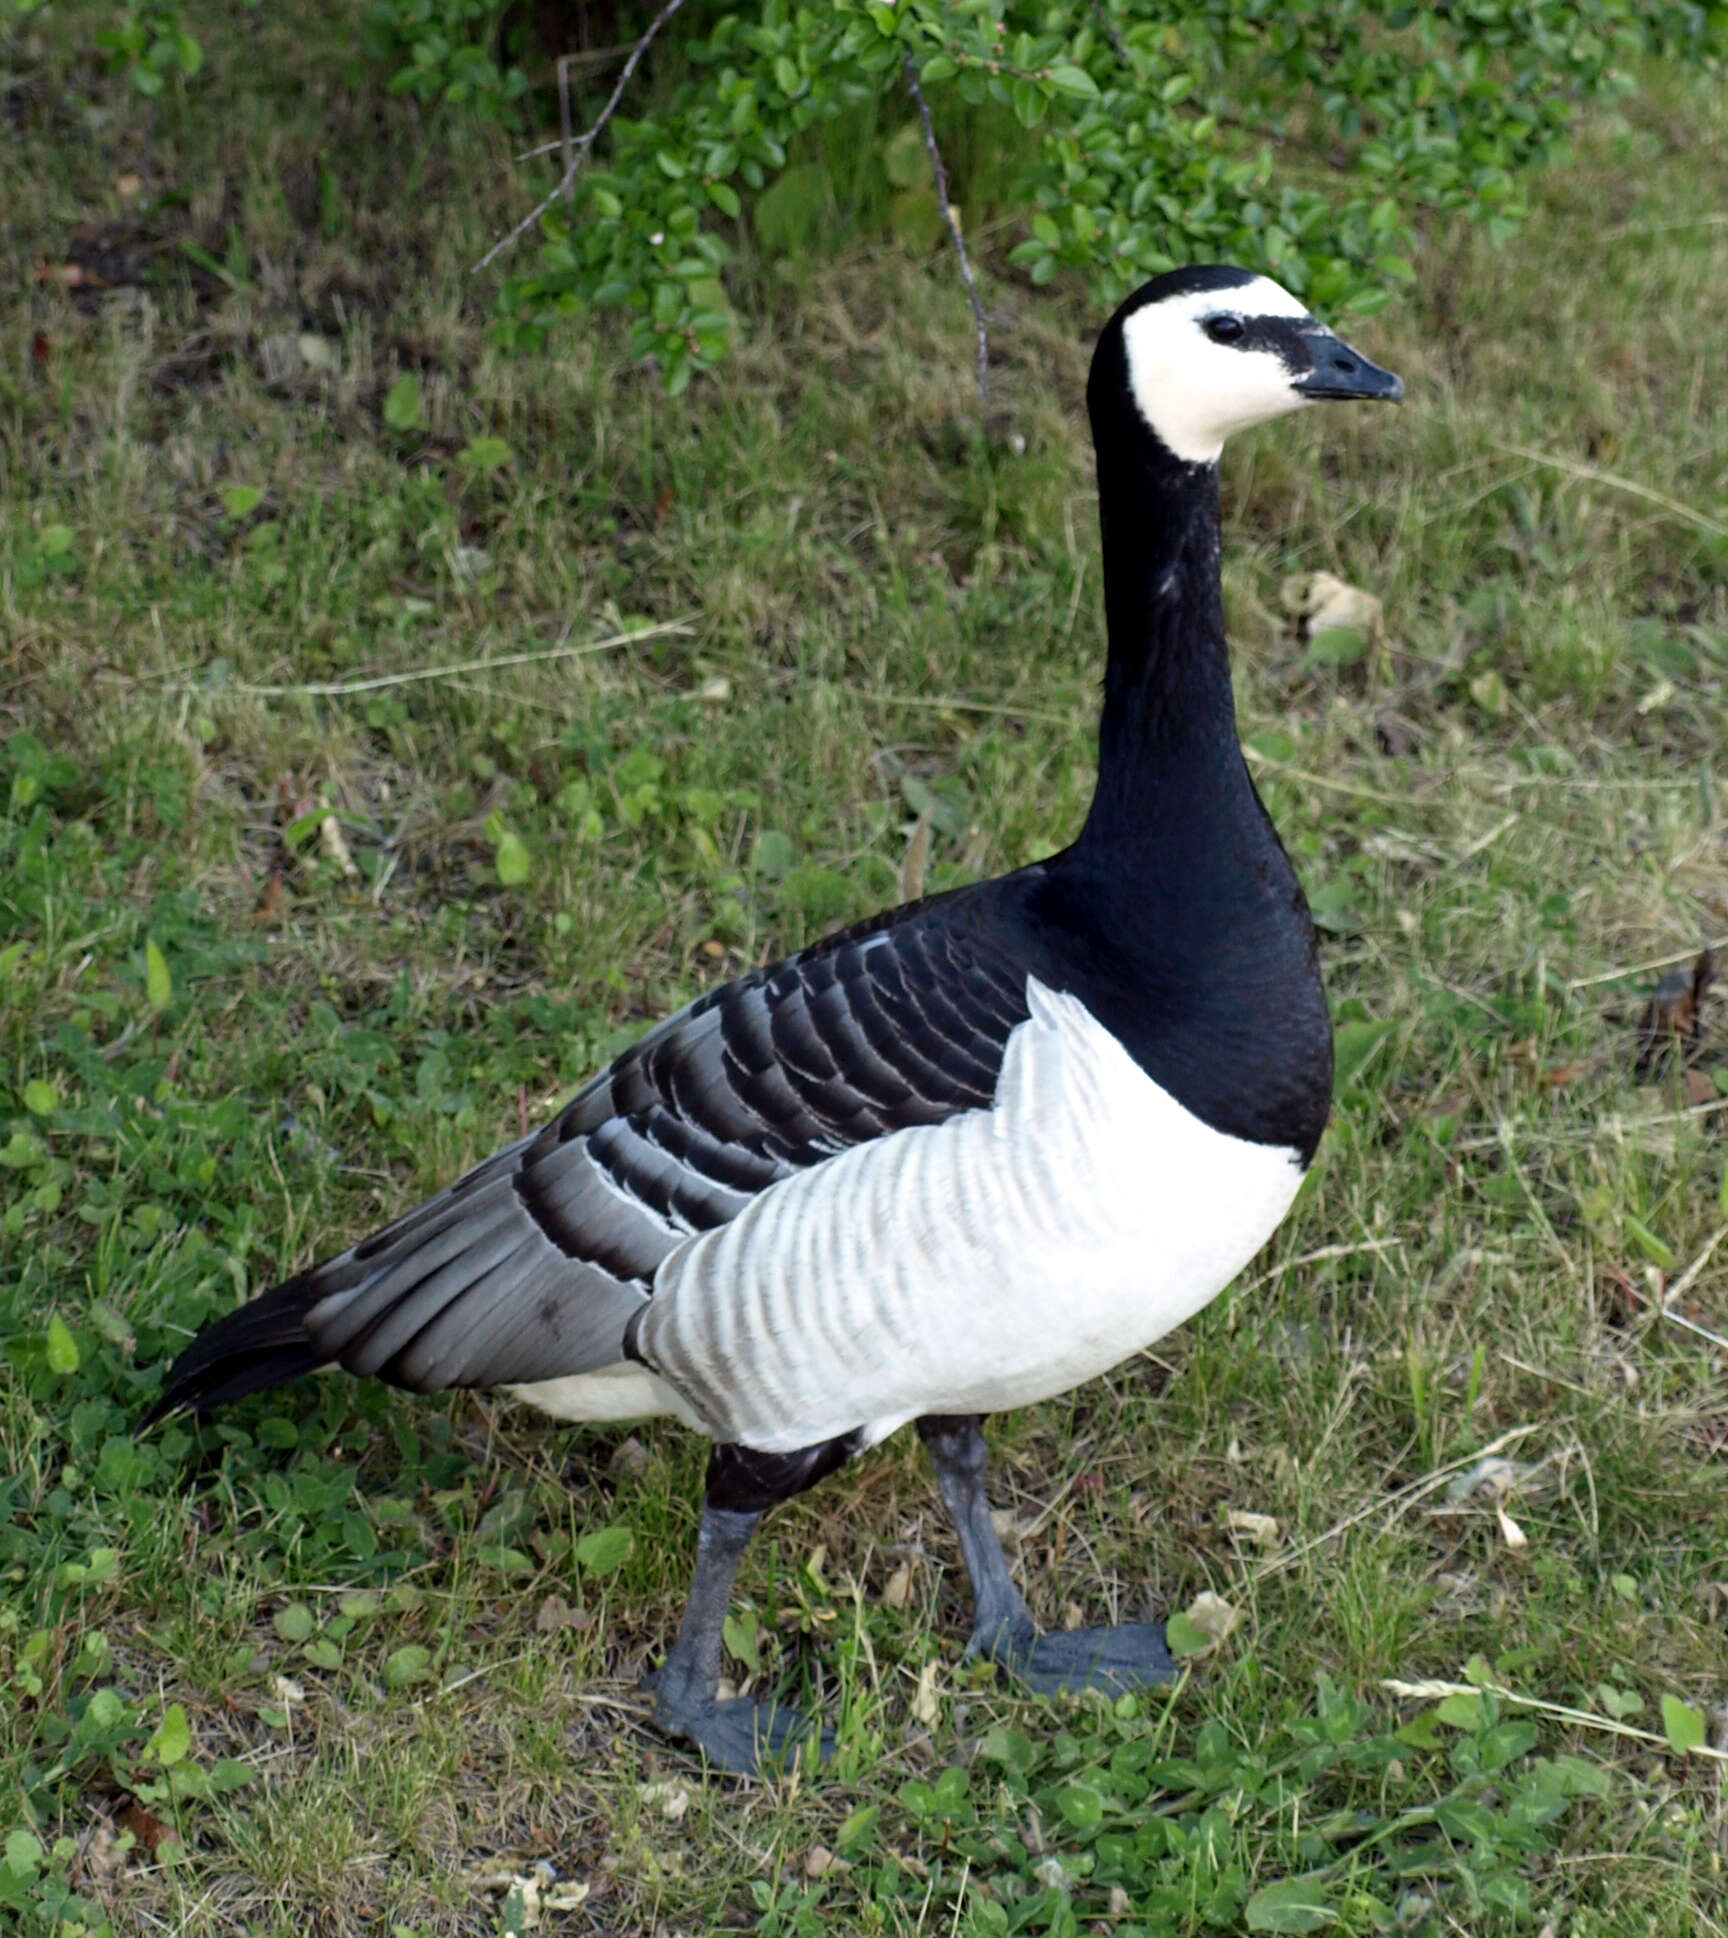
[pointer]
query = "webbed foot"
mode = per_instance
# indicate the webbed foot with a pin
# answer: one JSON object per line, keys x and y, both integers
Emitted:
{"x": 747, "y": 1738}
{"x": 1132, "y": 1655}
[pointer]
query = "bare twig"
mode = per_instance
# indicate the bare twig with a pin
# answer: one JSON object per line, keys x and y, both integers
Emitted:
{"x": 1643, "y": 968}
{"x": 1317, "y": 1258}
{"x": 565, "y": 138}
{"x": 1692, "y": 1326}
{"x": 1562, "y": 1712}
{"x": 1689, "y": 1278}
{"x": 579, "y": 62}
{"x": 1614, "y": 1125}
{"x": 951, "y": 703}
{"x": 1589, "y": 474}
{"x": 584, "y": 144}
{"x": 337, "y": 689}
{"x": 1395, "y": 1504}
{"x": 1114, "y": 32}
{"x": 1661, "y": 228}
{"x": 1684, "y": 1284}
{"x": 936, "y": 162}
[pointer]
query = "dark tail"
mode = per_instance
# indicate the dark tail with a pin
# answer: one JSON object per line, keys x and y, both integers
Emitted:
{"x": 264, "y": 1344}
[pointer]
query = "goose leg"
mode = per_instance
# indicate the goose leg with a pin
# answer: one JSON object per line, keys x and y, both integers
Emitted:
{"x": 1129, "y": 1656}
{"x": 737, "y": 1735}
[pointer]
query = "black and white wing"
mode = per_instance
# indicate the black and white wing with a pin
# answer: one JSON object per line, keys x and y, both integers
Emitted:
{"x": 531, "y": 1267}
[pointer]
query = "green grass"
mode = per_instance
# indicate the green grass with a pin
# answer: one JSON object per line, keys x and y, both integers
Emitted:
{"x": 404, "y": 1661}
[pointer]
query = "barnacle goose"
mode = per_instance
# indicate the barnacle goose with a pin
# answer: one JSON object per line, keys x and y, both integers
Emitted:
{"x": 956, "y": 1159}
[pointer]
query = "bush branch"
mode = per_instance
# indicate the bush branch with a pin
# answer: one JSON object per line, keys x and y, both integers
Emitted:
{"x": 578, "y": 152}
{"x": 1114, "y": 32}
{"x": 953, "y": 227}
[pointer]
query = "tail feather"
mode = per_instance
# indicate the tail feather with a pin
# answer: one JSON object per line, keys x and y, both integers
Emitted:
{"x": 529, "y": 1268}
{"x": 264, "y": 1343}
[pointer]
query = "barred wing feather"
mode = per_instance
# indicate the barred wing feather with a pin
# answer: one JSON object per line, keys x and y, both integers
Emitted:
{"x": 531, "y": 1266}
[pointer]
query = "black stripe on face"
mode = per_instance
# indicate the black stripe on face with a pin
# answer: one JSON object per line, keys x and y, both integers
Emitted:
{"x": 1287, "y": 337}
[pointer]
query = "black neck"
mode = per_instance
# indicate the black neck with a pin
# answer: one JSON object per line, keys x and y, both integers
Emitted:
{"x": 1176, "y": 914}
{"x": 1169, "y": 766}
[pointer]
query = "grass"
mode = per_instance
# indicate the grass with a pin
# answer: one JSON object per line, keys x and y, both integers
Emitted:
{"x": 263, "y": 981}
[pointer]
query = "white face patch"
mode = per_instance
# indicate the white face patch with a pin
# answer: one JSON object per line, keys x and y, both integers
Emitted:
{"x": 1195, "y": 393}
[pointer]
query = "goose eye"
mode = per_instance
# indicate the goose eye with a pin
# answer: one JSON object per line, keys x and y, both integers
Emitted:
{"x": 1225, "y": 328}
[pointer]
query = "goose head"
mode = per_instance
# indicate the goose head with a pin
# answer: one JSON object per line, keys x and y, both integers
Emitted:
{"x": 1200, "y": 353}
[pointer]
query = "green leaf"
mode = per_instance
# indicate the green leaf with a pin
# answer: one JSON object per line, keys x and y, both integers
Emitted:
{"x": 1505, "y": 1743}
{"x": 1292, "y": 1904}
{"x": 1462, "y": 1712}
{"x": 1333, "y": 906}
{"x": 1682, "y": 1725}
{"x": 513, "y": 859}
{"x": 821, "y": 894}
{"x": 174, "y": 1739}
{"x": 293, "y": 1623}
{"x": 507, "y": 1561}
{"x": 1648, "y": 1243}
{"x": 1073, "y": 80}
{"x": 1336, "y": 646}
{"x": 1577, "y": 1778}
{"x": 1009, "y": 1748}
{"x": 484, "y": 454}
{"x": 62, "y": 1347}
{"x": 112, "y": 1325}
{"x": 775, "y": 855}
{"x": 604, "y": 1551}
{"x": 158, "y": 983}
{"x": 240, "y": 500}
{"x": 1352, "y": 1045}
{"x": 41, "y": 1099}
{"x": 1185, "y": 1636}
{"x": 1466, "y": 1821}
{"x": 1422, "y": 1732}
{"x": 742, "y": 1636}
{"x": 1081, "y": 1805}
{"x": 402, "y": 403}
{"x": 406, "y": 1665}
{"x": 24, "y": 1854}
{"x": 859, "y": 1829}
{"x": 1489, "y": 692}
{"x": 725, "y": 199}
{"x": 105, "y": 1710}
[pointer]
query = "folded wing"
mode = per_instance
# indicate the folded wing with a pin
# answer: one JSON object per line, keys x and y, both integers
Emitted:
{"x": 531, "y": 1266}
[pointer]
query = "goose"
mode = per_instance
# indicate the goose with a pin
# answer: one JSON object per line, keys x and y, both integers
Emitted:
{"x": 955, "y": 1159}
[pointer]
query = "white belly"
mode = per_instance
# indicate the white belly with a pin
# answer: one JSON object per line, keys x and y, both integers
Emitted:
{"x": 623, "y": 1392}
{"x": 970, "y": 1266}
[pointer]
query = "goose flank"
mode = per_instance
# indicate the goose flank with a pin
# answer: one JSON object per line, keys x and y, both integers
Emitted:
{"x": 956, "y": 1159}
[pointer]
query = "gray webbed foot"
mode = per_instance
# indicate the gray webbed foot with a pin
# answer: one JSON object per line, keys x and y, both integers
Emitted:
{"x": 738, "y": 1735}
{"x": 747, "y": 1738}
{"x": 1133, "y": 1655}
